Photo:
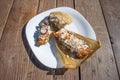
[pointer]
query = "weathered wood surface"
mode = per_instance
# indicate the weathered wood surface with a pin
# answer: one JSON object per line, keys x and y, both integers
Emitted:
{"x": 100, "y": 66}
{"x": 14, "y": 61}
{"x": 4, "y": 12}
{"x": 46, "y": 5}
{"x": 111, "y": 11}
{"x": 17, "y": 61}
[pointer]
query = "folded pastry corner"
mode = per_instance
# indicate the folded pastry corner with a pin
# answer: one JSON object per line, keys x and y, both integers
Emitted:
{"x": 58, "y": 20}
{"x": 73, "y": 48}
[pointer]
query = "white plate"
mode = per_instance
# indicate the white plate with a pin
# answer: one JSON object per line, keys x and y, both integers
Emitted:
{"x": 47, "y": 54}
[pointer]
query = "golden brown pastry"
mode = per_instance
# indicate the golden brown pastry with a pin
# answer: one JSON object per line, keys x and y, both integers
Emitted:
{"x": 74, "y": 48}
{"x": 59, "y": 19}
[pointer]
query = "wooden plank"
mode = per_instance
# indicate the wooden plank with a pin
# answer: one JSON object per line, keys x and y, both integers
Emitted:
{"x": 67, "y": 3}
{"x": 100, "y": 66}
{"x": 4, "y": 12}
{"x": 14, "y": 61}
{"x": 46, "y": 5}
{"x": 68, "y": 74}
{"x": 111, "y": 10}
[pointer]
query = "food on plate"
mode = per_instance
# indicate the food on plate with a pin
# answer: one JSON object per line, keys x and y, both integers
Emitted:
{"x": 58, "y": 20}
{"x": 55, "y": 21}
{"x": 44, "y": 32}
{"x": 74, "y": 48}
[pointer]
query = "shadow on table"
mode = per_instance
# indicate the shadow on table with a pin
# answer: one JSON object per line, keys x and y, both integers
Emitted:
{"x": 35, "y": 61}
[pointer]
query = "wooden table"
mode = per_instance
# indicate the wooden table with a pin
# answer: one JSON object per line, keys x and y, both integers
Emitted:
{"x": 15, "y": 63}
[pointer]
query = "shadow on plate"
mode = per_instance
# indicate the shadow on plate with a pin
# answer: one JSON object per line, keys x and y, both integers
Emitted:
{"x": 35, "y": 61}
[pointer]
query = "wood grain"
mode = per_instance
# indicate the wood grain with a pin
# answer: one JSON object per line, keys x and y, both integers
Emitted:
{"x": 66, "y": 3}
{"x": 14, "y": 60}
{"x": 100, "y": 66}
{"x": 4, "y": 12}
{"x": 111, "y": 10}
{"x": 46, "y": 5}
